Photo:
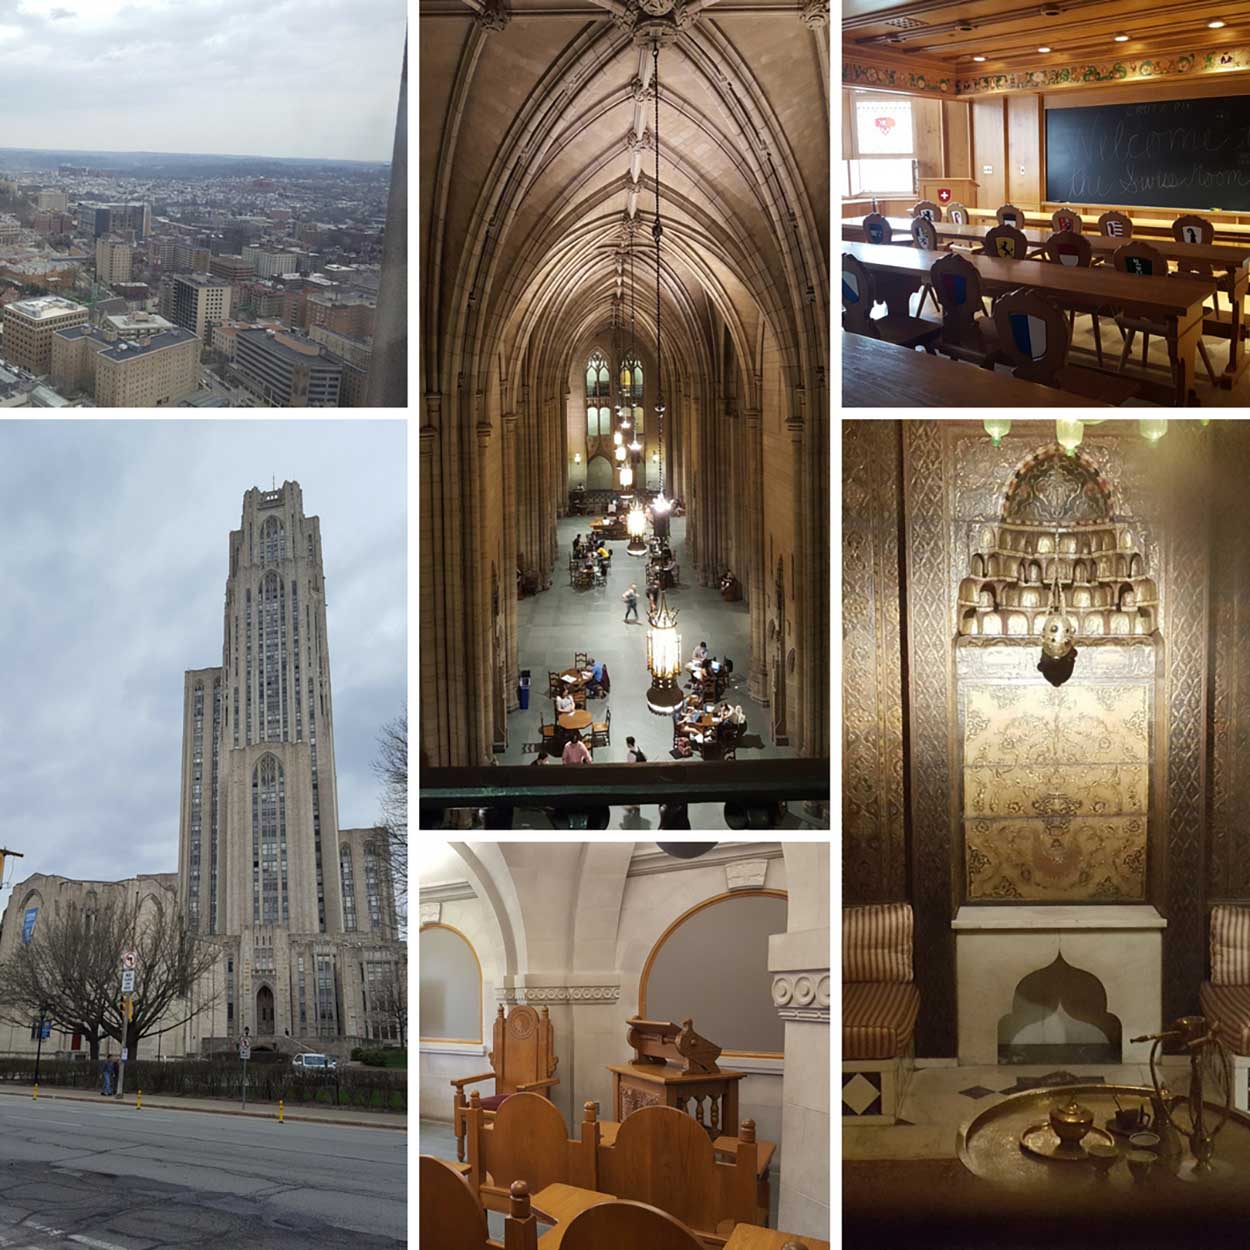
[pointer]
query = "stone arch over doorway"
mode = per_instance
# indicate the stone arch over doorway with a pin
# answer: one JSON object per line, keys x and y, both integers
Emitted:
{"x": 265, "y": 1008}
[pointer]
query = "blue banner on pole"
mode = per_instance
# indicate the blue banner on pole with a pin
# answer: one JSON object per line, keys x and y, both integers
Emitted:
{"x": 28, "y": 924}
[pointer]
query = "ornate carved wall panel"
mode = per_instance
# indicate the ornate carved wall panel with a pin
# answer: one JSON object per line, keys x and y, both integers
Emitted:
{"x": 874, "y": 854}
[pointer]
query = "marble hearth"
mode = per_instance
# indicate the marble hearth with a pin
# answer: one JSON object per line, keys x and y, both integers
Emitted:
{"x": 996, "y": 947}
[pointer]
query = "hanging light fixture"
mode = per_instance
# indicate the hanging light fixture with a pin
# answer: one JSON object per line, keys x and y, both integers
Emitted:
{"x": 618, "y": 438}
{"x": 664, "y": 660}
{"x": 661, "y": 506}
{"x": 636, "y": 526}
{"x": 1153, "y": 429}
{"x": 997, "y": 428}
{"x": 627, "y": 477}
{"x": 620, "y": 451}
{"x": 1068, "y": 434}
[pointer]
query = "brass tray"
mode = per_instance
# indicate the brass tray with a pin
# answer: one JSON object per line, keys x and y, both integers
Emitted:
{"x": 988, "y": 1144}
{"x": 1042, "y": 1140}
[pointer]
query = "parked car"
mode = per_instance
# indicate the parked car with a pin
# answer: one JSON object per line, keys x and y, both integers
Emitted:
{"x": 315, "y": 1063}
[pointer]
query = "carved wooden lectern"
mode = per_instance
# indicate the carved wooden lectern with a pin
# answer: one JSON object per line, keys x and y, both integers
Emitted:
{"x": 674, "y": 1066}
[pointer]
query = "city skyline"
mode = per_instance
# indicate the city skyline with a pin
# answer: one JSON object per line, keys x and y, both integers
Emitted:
{"x": 247, "y": 156}
{"x": 115, "y": 570}
{"x": 312, "y": 80}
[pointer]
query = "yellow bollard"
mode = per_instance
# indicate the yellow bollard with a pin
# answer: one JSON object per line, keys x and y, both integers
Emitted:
{"x": 139, "y": 1100}
{"x": 35, "y": 1095}
{"x": 280, "y": 1119}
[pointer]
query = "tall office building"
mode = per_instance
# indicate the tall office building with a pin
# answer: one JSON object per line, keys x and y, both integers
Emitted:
{"x": 113, "y": 259}
{"x": 198, "y": 302}
{"x": 29, "y": 325}
{"x": 268, "y": 264}
{"x": 119, "y": 219}
{"x": 285, "y": 371}
{"x": 300, "y": 906}
{"x": 52, "y": 201}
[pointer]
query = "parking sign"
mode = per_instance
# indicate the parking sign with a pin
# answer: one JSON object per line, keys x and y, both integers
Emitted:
{"x": 128, "y": 981}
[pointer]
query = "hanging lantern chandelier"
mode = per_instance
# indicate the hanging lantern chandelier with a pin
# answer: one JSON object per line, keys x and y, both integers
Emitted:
{"x": 664, "y": 660}
{"x": 661, "y": 506}
{"x": 636, "y": 527}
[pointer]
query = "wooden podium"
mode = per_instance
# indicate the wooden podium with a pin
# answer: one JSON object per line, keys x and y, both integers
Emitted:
{"x": 675, "y": 1067}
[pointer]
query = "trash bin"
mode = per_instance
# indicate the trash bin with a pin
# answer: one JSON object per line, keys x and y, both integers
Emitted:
{"x": 523, "y": 690}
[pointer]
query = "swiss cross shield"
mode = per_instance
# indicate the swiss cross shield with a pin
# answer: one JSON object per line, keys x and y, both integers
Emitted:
{"x": 944, "y": 195}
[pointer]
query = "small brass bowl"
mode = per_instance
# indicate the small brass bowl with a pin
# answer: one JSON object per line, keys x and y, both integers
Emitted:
{"x": 1145, "y": 1140}
{"x": 1139, "y": 1163}
{"x": 1102, "y": 1156}
{"x": 1071, "y": 1123}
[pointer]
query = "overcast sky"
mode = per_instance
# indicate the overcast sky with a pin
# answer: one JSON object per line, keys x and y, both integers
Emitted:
{"x": 113, "y": 560}
{"x": 308, "y": 78}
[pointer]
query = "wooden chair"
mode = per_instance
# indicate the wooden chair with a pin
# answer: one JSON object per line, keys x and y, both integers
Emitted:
{"x": 579, "y": 697}
{"x": 451, "y": 1219}
{"x": 927, "y": 210}
{"x": 1006, "y": 243}
{"x": 966, "y": 333}
{"x": 626, "y": 1225}
{"x": 1142, "y": 260}
{"x": 1115, "y": 225}
{"x": 656, "y": 1144}
{"x": 581, "y": 660}
{"x": 1065, "y": 221}
{"x": 877, "y": 229}
{"x": 1075, "y": 250}
{"x": 1034, "y": 337}
{"x": 601, "y": 731}
{"x": 925, "y": 236}
{"x": 547, "y": 734}
{"x": 858, "y": 298}
{"x": 522, "y": 1059}
{"x": 1194, "y": 229}
{"x": 957, "y": 214}
{"x": 526, "y": 1140}
{"x": 1010, "y": 215}
{"x": 554, "y": 684}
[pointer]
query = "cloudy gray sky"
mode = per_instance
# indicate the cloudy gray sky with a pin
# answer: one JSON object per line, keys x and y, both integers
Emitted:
{"x": 113, "y": 561}
{"x": 306, "y": 78}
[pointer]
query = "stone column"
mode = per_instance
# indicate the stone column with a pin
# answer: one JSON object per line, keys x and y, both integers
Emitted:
{"x": 754, "y": 573}
{"x": 507, "y": 575}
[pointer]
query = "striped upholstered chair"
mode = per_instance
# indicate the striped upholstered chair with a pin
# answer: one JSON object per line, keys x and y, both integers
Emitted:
{"x": 880, "y": 1003}
{"x": 1226, "y": 996}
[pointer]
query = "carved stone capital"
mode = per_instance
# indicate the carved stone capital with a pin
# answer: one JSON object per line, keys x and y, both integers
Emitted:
{"x": 431, "y": 913}
{"x": 483, "y": 430}
{"x": 752, "y": 417}
{"x": 815, "y": 14}
{"x": 509, "y": 420}
{"x": 638, "y": 93}
{"x": 639, "y": 143}
{"x": 802, "y": 995}
{"x": 627, "y": 17}
{"x": 650, "y": 31}
{"x": 493, "y": 15}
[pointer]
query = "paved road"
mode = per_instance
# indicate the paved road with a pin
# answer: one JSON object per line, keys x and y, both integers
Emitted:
{"x": 112, "y": 1178}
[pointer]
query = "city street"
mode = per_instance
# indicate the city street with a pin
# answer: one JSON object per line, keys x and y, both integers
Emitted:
{"x": 113, "y": 1178}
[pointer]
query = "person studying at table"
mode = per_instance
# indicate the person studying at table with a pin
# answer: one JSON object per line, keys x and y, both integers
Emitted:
{"x": 564, "y": 703}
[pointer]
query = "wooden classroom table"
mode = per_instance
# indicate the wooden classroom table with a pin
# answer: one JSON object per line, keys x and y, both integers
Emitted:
{"x": 1176, "y": 301}
{"x": 752, "y": 1237}
{"x": 578, "y": 719}
{"x": 876, "y": 374}
{"x": 577, "y": 678}
{"x": 1232, "y": 260}
{"x": 1150, "y": 227}
{"x": 558, "y": 1204}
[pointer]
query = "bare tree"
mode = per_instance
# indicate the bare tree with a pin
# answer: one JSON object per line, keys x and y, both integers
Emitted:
{"x": 388, "y": 1000}
{"x": 391, "y": 768}
{"x": 70, "y": 972}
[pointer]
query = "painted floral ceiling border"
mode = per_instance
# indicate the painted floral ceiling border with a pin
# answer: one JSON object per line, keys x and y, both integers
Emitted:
{"x": 868, "y": 73}
{"x": 1219, "y": 60}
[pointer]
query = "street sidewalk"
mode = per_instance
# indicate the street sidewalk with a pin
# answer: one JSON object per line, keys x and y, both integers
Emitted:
{"x": 299, "y": 1112}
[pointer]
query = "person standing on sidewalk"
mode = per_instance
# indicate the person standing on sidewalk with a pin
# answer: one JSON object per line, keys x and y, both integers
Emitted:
{"x": 631, "y": 603}
{"x": 633, "y": 755}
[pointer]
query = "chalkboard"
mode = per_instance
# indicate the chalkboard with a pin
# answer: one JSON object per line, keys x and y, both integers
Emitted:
{"x": 1170, "y": 153}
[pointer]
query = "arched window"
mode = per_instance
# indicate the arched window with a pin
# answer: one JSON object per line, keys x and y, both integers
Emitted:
{"x": 272, "y": 540}
{"x": 598, "y": 396}
{"x": 451, "y": 986}
{"x": 711, "y": 965}
{"x": 269, "y": 842}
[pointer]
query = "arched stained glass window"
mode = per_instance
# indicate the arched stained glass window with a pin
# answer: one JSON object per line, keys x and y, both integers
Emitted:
{"x": 598, "y": 394}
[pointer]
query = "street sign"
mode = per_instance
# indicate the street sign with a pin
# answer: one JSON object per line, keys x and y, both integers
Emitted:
{"x": 128, "y": 981}
{"x": 45, "y": 1032}
{"x": 125, "y": 1053}
{"x": 129, "y": 959}
{"x": 245, "y": 1048}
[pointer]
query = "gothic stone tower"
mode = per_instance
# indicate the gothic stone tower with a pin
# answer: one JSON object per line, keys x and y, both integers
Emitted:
{"x": 262, "y": 866}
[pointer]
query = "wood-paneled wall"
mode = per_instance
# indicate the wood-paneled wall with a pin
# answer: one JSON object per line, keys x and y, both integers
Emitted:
{"x": 989, "y": 151}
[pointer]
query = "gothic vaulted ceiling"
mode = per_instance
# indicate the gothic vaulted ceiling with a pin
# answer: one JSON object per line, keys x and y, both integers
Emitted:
{"x": 537, "y": 182}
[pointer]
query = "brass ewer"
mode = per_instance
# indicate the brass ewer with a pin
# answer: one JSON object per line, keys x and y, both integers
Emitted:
{"x": 1209, "y": 1064}
{"x": 1071, "y": 1122}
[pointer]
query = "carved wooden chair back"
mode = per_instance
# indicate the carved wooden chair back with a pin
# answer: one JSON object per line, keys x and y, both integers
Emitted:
{"x": 1010, "y": 215}
{"x": 957, "y": 285}
{"x": 1116, "y": 225}
{"x": 1141, "y": 260}
{"x": 858, "y": 297}
{"x": 1006, "y": 243}
{"x": 877, "y": 229}
{"x": 1033, "y": 334}
{"x": 526, "y": 1140}
{"x": 1065, "y": 247}
{"x": 958, "y": 214}
{"x": 656, "y": 1144}
{"x": 1065, "y": 221}
{"x": 627, "y": 1226}
{"x": 924, "y": 233}
{"x": 927, "y": 209}
{"x": 451, "y": 1219}
{"x": 1193, "y": 229}
{"x": 523, "y": 1049}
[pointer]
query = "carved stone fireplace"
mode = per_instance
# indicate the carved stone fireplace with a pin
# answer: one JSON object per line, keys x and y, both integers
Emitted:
{"x": 997, "y": 947}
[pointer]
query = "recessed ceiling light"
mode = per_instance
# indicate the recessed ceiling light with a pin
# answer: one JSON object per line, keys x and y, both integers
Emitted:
{"x": 1216, "y": 24}
{"x": 978, "y": 58}
{"x": 1043, "y": 48}
{"x": 1121, "y": 38}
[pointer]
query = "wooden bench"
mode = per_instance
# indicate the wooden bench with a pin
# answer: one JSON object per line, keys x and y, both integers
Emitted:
{"x": 450, "y": 1218}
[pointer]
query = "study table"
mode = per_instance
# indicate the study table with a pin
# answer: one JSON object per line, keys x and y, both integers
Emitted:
{"x": 557, "y": 1204}
{"x": 1232, "y": 260}
{"x": 1144, "y": 227}
{"x": 876, "y": 374}
{"x": 752, "y": 1237}
{"x": 1176, "y": 301}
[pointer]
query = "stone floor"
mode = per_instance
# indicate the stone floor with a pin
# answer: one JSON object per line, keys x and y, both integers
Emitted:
{"x": 1082, "y": 352}
{"x": 554, "y": 624}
